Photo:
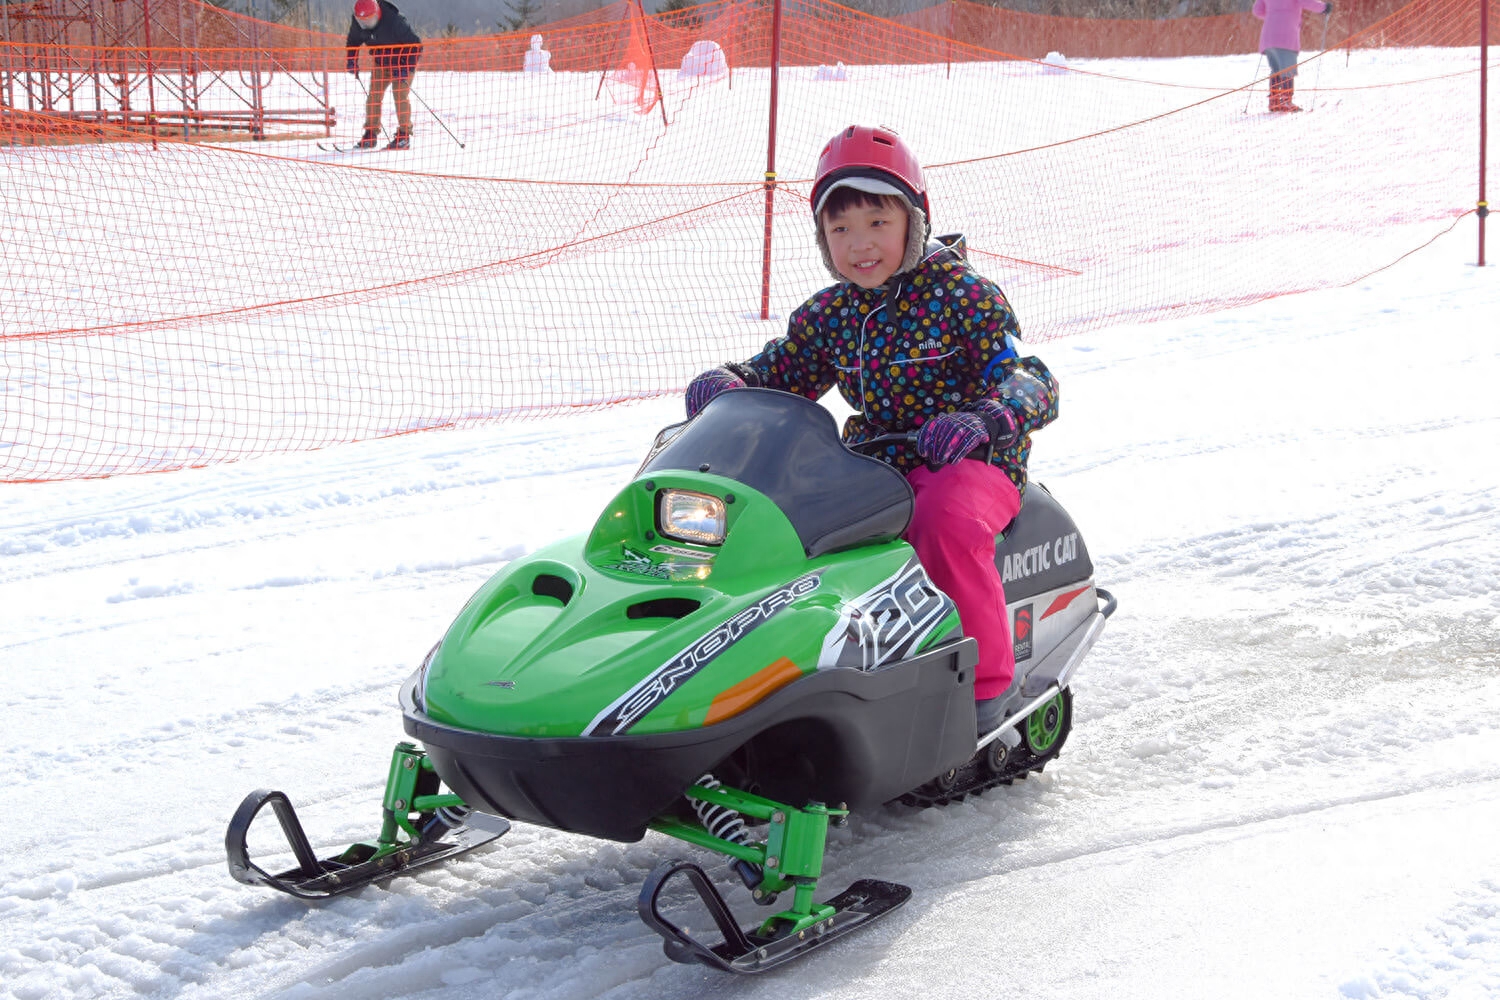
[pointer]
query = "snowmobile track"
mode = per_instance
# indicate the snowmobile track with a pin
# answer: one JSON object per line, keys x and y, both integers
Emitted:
{"x": 975, "y": 777}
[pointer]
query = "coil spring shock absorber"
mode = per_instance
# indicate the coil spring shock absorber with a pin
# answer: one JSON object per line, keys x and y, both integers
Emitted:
{"x": 726, "y": 824}
{"x": 445, "y": 818}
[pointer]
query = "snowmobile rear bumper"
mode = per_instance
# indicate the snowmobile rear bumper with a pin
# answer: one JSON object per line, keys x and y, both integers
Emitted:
{"x": 835, "y": 736}
{"x": 1055, "y": 671}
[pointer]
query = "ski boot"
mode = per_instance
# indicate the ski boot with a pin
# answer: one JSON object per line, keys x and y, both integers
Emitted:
{"x": 368, "y": 140}
{"x": 401, "y": 140}
{"x": 1281, "y": 97}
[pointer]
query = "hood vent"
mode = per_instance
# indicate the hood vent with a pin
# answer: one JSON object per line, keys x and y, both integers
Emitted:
{"x": 555, "y": 587}
{"x": 663, "y": 607}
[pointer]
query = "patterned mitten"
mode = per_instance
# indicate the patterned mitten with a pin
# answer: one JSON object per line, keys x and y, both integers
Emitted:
{"x": 948, "y": 437}
{"x": 1003, "y": 427}
{"x": 707, "y": 386}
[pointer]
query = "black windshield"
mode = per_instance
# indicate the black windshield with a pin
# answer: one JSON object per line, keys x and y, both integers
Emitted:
{"x": 788, "y": 448}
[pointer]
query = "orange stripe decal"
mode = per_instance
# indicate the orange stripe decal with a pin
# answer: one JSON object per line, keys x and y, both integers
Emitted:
{"x": 752, "y": 690}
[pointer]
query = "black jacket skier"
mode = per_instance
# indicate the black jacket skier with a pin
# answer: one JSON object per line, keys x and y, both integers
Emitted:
{"x": 395, "y": 49}
{"x": 394, "y": 46}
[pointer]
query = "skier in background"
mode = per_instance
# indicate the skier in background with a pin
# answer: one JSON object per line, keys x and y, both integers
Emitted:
{"x": 1280, "y": 38}
{"x": 394, "y": 49}
{"x": 915, "y": 340}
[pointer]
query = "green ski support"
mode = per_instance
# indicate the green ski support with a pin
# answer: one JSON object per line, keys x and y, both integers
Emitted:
{"x": 411, "y": 790}
{"x": 791, "y": 857}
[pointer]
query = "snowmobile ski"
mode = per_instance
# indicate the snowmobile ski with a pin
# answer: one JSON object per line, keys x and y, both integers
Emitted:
{"x": 774, "y": 942}
{"x": 438, "y": 827}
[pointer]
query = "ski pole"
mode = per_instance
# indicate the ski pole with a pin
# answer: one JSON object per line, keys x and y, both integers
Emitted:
{"x": 1322, "y": 48}
{"x": 434, "y": 114}
{"x": 1253, "y": 78}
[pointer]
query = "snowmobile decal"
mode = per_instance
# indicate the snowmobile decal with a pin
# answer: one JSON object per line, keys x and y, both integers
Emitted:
{"x": 1061, "y": 601}
{"x": 674, "y": 550}
{"x": 1021, "y": 632}
{"x": 1038, "y": 558}
{"x": 632, "y": 561}
{"x": 654, "y": 688}
{"x": 635, "y": 562}
{"x": 752, "y": 690}
{"x": 887, "y": 623}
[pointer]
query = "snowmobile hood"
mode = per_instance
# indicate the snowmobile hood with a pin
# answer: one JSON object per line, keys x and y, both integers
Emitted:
{"x": 606, "y": 635}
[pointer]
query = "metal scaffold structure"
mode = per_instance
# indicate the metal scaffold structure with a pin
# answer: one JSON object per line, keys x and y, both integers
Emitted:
{"x": 169, "y": 67}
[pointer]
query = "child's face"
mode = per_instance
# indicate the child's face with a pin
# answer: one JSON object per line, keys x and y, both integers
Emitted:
{"x": 867, "y": 242}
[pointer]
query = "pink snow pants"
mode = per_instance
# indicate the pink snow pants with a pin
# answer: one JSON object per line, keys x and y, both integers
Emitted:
{"x": 960, "y": 509}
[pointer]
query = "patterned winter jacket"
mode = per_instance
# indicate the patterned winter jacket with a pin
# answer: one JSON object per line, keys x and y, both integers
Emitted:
{"x": 935, "y": 339}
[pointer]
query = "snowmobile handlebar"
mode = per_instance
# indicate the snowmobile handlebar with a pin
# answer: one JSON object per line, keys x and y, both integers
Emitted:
{"x": 874, "y": 443}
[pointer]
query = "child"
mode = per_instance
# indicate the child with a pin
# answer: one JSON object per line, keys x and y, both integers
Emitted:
{"x": 1280, "y": 38}
{"x": 916, "y": 341}
{"x": 395, "y": 49}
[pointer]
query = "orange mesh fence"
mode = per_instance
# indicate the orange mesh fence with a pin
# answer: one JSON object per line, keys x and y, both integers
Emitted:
{"x": 1034, "y": 35}
{"x": 200, "y": 266}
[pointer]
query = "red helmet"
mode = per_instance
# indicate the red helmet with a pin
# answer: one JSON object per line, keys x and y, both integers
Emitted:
{"x": 872, "y": 159}
{"x": 366, "y": 10}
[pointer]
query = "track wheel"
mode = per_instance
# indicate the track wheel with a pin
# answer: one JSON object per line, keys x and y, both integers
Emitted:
{"x": 1046, "y": 729}
{"x": 996, "y": 756}
{"x": 943, "y": 783}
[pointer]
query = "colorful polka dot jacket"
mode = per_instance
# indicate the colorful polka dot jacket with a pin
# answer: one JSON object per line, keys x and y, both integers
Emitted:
{"x": 937, "y": 338}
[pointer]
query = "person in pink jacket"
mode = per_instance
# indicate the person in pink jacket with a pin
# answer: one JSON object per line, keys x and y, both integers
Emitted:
{"x": 1280, "y": 38}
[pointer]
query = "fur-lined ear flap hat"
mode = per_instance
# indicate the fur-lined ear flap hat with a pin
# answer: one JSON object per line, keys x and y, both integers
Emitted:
{"x": 873, "y": 160}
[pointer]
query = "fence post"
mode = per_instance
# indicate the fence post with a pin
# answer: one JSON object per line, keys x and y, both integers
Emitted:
{"x": 948, "y": 46}
{"x": 328, "y": 108}
{"x": 5, "y": 72}
{"x": 765, "y": 265}
{"x": 661, "y": 97}
{"x": 150, "y": 71}
{"x": 7, "y": 79}
{"x": 257, "y": 85}
{"x": 1484, "y": 87}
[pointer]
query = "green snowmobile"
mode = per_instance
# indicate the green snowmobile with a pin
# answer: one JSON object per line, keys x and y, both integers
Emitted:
{"x": 739, "y": 653}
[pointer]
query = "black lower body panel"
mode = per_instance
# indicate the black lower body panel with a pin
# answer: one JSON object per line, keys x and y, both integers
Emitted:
{"x": 834, "y": 736}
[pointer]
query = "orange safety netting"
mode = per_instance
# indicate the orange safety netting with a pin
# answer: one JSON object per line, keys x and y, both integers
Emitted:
{"x": 200, "y": 268}
{"x": 1035, "y": 35}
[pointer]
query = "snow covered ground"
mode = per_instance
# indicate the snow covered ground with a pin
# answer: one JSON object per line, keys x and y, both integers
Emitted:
{"x": 1284, "y": 778}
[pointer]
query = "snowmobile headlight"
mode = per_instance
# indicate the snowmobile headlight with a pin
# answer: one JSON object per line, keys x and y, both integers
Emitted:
{"x": 691, "y": 517}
